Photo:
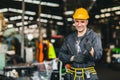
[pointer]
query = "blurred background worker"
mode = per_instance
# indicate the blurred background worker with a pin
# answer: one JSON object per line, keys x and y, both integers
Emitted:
{"x": 81, "y": 49}
{"x": 2, "y": 23}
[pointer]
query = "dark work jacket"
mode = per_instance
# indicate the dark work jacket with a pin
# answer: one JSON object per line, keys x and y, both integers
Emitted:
{"x": 68, "y": 49}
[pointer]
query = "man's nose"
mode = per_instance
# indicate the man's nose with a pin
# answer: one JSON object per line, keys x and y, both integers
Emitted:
{"x": 79, "y": 24}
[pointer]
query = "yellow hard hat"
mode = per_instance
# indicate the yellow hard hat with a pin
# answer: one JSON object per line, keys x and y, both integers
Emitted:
{"x": 81, "y": 13}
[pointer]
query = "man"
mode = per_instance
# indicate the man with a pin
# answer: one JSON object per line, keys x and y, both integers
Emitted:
{"x": 81, "y": 49}
{"x": 2, "y": 23}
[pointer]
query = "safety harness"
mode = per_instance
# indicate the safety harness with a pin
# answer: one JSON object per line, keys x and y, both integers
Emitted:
{"x": 81, "y": 72}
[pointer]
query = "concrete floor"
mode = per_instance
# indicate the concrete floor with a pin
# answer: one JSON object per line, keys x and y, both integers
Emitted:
{"x": 105, "y": 72}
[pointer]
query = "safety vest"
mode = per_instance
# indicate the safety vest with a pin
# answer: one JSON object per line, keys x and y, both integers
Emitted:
{"x": 41, "y": 54}
{"x": 51, "y": 51}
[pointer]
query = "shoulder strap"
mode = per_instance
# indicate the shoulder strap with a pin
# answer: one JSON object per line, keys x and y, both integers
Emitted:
{"x": 68, "y": 46}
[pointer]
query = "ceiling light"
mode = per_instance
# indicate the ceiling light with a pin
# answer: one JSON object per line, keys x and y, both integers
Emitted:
{"x": 69, "y": 19}
{"x": 51, "y": 16}
{"x": 57, "y": 17}
{"x": 117, "y": 12}
{"x": 20, "y": 23}
{"x": 3, "y": 10}
{"x": 102, "y": 15}
{"x": 97, "y": 16}
{"x": 18, "y": 18}
{"x": 51, "y": 4}
{"x": 20, "y": 11}
{"x": 33, "y": 26}
{"x": 107, "y": 14}
{"x": 60, "y": 23}
{"x": 29, "y": 1}
{"x": 68, "y": 12}
{"x": 10, "y": 26}
{"x": 43, "y": 20}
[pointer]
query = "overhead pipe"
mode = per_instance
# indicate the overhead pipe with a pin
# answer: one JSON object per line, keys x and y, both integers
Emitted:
{"x": 22, "y": 32}
{"x": 39, "y": 18}
{"x": 91, "y": 5}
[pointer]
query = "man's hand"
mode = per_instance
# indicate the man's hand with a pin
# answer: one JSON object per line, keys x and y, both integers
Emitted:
{"x": 88, "y": 46}
{"x": 80, "y": 58}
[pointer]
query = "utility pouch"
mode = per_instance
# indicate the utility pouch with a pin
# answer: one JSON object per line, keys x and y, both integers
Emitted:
{"x": 87, "y": 74}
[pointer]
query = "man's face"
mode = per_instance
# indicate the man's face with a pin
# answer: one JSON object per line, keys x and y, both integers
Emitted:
{"x": 80, "y": 25}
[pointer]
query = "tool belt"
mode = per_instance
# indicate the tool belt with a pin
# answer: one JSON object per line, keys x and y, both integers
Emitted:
{"x": 82, "y": 72}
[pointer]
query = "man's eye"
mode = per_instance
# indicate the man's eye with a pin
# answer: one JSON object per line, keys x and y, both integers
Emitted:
{"x": 76, "y": 21}
{"x": 82, "y": 21}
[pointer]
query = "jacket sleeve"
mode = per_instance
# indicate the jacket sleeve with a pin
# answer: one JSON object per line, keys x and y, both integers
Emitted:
{"x": 64, "y": 54}
{"x": 97, "y": 45}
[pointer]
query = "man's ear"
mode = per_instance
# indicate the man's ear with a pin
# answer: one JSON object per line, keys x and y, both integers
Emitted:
{"x": 87, "y": 22}
{"x": 73, "y": 24}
